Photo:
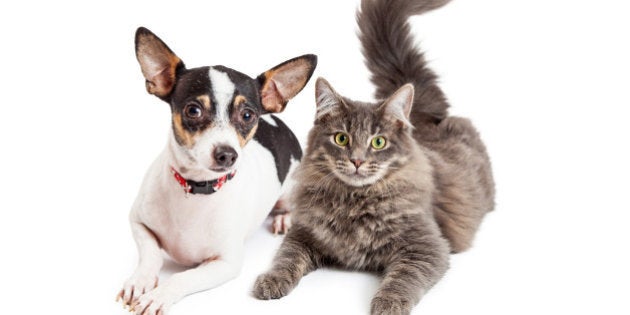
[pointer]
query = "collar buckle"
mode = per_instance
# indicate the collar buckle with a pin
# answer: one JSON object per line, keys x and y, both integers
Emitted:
{"x": 205, "y": 187}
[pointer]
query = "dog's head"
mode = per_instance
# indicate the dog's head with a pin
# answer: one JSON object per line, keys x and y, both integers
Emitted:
{"x": 215, "y": 110}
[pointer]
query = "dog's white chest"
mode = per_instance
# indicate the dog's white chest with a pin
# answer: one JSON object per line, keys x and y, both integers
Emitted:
{"x": 190, "y": 228}
{"x": 195, "y": 228}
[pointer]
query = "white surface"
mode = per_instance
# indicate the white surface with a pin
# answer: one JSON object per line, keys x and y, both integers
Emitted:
{"x": 546, "y": 82}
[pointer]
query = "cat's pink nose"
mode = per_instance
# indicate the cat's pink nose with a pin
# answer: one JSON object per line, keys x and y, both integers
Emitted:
{"x": 357, "y": 162}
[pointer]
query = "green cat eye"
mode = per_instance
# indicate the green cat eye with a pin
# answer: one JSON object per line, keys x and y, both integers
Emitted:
{"x": 341, "y": 139}
{"x": 378, "y": 142}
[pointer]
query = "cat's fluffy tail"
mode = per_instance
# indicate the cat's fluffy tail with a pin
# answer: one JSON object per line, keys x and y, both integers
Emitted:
{"x": 392, "y": 57}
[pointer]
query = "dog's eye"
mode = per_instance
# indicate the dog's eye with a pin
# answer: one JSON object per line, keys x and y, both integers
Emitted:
{"x": 193, "y": 111}
{"x": 247, "y": 115}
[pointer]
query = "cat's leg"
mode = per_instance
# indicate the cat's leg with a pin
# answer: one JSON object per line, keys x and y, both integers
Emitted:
{"x": 410, "y": 274}
{"x": 294, "y": 259}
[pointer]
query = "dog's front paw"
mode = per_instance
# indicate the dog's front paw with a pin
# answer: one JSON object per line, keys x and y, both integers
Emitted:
{"x": 136, "y": 286}
{"x": 281, "y": 223}
{"x": 271, "y": 286}
{"x": 156, "y": 302}
{"x": 389, "y": 304}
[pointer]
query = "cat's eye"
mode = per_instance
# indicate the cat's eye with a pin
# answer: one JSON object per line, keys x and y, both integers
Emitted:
{"x": 341, "y": 139}
{"x": 378, "y": 142}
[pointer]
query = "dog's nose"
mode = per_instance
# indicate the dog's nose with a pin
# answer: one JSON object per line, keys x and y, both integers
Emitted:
{"x": 225, "y": 156}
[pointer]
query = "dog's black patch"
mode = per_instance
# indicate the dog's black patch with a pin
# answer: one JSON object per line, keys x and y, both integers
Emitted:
{"x": 281, "y": 142}
{"x": 190, "y": 85}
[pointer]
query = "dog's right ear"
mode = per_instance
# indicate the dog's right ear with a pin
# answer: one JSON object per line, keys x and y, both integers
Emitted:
{"x": 282, "y": 82}
{"x": 158, "y": 63}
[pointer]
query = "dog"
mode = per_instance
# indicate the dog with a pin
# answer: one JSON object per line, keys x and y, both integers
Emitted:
{"x": 220, "y": 174}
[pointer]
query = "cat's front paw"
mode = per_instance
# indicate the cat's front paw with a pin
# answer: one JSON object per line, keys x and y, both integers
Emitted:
{"x": 271, "y": 286}
{"x": 390, "y": 304}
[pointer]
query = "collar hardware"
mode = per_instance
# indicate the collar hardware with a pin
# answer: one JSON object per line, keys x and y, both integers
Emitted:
{"x": 204, "y": 187}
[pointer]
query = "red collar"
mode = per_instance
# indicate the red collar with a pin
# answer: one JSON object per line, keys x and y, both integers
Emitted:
{"x": 206, "y": 187}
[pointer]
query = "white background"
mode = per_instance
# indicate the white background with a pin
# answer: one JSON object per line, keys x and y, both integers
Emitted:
{"x": 546, "y": 83}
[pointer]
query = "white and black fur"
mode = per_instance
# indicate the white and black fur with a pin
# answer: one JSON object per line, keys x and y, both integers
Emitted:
{"x": 220, "y": 124}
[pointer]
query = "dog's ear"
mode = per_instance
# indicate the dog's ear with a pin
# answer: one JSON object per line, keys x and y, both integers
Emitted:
{"x": 282, "y": 82}
{"x": 158, "y": 63}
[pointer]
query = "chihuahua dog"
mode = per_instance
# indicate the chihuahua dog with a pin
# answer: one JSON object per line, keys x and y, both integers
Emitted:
{"x": 221, "y": 172}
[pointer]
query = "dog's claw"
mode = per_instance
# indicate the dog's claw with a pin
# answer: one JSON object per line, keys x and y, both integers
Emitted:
{"x": 153, "y": 302}
{"x": 133, "y": 289}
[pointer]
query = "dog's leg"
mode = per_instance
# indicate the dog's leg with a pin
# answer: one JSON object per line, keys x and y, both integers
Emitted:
{"x": 281, "y": 217}
{"x": 145, "y": 277}
{"x": 281, "y": 211}
{"x": 212, "y": 273}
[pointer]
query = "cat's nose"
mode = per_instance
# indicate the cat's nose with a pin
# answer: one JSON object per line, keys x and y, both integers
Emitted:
{"x": 357, "y": 163}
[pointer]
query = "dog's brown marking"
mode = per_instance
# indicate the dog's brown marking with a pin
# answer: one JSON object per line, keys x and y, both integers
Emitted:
{"x": 250, "y": 135}
{"x": 242, "y": 141}
{"x": 239, "y": 102}
{"x": 239, "y": 99}
{"x": 183, "y": 136}
{"x": 205, "y": 101}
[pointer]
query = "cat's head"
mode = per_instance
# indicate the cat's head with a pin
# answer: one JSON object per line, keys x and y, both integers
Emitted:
{"x": 360, "y": 143}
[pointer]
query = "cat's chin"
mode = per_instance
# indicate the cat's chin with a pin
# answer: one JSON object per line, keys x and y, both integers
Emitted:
{"x": 357, "y": 180}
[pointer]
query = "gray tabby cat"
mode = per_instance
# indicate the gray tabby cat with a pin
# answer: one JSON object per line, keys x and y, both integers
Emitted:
{"x": 390, "y": 187}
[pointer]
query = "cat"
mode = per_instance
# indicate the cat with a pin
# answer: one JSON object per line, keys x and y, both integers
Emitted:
{"x": 390, "y": 187}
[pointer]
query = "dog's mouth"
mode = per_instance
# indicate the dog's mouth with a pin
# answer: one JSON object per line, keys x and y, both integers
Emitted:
{"x": 221, "y": 169}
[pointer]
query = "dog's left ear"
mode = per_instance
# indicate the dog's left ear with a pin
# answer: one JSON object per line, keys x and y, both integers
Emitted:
{"x": 158, "y": 63}
{"x": 284, "y": 81}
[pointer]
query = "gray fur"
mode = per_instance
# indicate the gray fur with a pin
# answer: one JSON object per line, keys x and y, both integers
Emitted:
{"x": 425, "y": 194}
{"x": 392, "y": 58}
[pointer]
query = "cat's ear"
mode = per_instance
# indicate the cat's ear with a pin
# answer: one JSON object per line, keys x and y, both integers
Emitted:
{"x": 158, "y": 63}
{"x": 282, "y": 82}
{"x": 327, "y": 99}
{"x": 398, "y": 106}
